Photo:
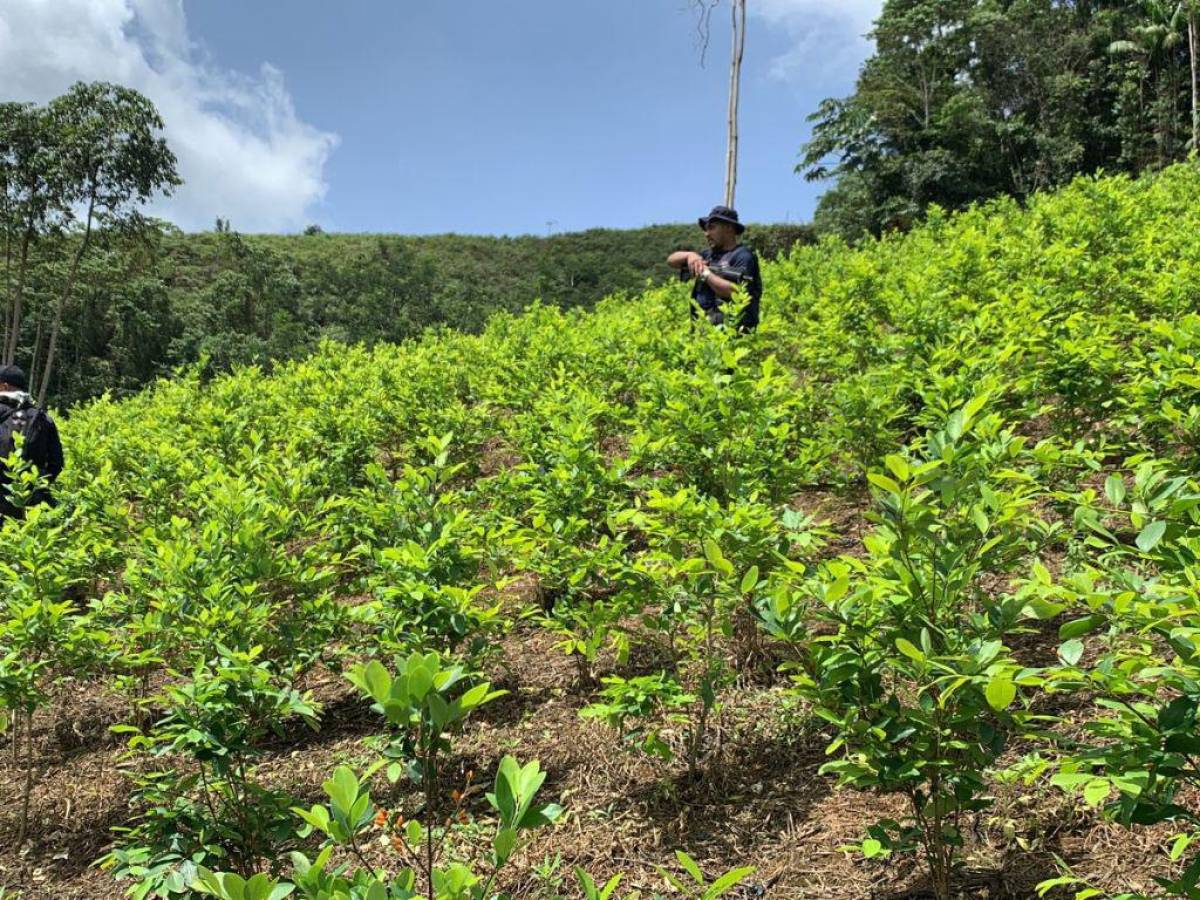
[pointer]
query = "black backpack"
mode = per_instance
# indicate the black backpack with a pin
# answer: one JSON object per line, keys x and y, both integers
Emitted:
{"x": 40, "y": 447}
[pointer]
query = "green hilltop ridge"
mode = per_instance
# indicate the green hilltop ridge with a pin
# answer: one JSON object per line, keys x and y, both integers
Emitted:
{"x": 162, "y": 299}
{"x": 928, "y": 536}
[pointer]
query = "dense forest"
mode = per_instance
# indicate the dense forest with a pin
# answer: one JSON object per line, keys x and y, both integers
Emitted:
{"x": 969, "y": 99}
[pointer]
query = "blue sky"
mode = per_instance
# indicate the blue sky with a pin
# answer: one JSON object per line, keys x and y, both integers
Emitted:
{"x": 472, "y": 116}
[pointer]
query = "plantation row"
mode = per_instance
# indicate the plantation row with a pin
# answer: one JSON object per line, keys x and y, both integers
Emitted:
{"x": 1017, "y": 386}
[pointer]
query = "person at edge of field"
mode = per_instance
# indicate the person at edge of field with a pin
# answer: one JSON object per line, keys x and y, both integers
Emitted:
{"x": 41, "y": 446}
{"x": 719, "y": 269}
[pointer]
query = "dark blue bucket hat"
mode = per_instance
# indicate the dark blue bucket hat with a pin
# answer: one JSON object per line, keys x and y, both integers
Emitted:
{"x": 723, "y": 214}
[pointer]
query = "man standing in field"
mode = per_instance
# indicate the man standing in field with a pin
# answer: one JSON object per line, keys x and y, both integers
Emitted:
{"x": 40, "y": 445}
{"x": 720, "y": 269}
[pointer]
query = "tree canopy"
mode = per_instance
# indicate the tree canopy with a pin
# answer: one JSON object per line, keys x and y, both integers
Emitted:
{"x": 969, "y": 99}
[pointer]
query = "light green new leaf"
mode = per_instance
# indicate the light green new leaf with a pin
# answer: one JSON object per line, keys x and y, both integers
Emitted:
{"x": 342, "y": 788}
{"x": 749, "y": 580}
{"x": 909, "y": 649}
{"x": 726, "y": 882}
{"x": 712, "y": 551}
{"x": 1096, "y": 792}
{"x": 882, "y": 481}
{"x": 1000, "y": 692}
{"x": 689, "y": 866}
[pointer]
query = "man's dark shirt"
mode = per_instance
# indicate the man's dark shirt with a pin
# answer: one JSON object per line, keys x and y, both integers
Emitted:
{"x": 739, "y": 265}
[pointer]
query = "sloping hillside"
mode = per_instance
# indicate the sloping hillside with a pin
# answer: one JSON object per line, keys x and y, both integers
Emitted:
{"x": 156, "y": 300}
{"x": 895, "y": 597}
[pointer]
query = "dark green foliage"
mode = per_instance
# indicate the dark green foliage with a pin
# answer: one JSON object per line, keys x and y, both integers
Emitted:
{"x": 80, "y": 165}
{"x": 150, "y": 301}
{"x": 969, "y": 99}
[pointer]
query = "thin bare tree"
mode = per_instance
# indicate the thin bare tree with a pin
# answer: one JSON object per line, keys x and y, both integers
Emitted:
{"x": 738, "y": 10}
{"x": 704, "y": 9}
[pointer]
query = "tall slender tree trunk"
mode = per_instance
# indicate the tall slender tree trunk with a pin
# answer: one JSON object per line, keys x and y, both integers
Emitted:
{"x": 735, "y": 80}
{"x": 44, "y": 381}
{"x": 14, "y": 333}
{"x": 1194, "y": 52}
{"x": 36, "y": 356}
{"x": 8, "y": 287}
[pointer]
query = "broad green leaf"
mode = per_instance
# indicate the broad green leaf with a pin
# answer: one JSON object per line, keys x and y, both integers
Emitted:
{"x": 506, "y": 789}
{"x": 1149, "y": 536}
{"x": 1114, "y": 489}
{"x": 232, "y": 886}
{"x": 474, "y": 697}
{"x": 1071, "y": 651}
{"x": 317, "y": 817}
{"x": 542, "y": 815}
{"x": 420, "y": 680}
{"x": 1096, "y": 791}
{"x": 897, "y": 466}
{"x": 1079, "y": 627}
{"x": 837, "y": 589}
{"x": 1000, "y": 692}
{"x": 1180, "y": 844}
{"x": 1068, "y": 781}
{"x": 749, "y": 580}
{"x": 882, "y": 481}
{"x": 987, "y": 652}
{"x": 440, "y": 710}
{"x": 1041, "y": 574}
{"x": 972, "y": 408}
{"x": 262, "y": 887}
{"x": 414, "y": 833}
{"x": 504, "y": 843}
{"x": 377, "y": 680}
{"x": 909, "y": 649}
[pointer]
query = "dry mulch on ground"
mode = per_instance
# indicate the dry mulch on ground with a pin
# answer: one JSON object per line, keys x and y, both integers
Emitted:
{"x": 760, "y": 802}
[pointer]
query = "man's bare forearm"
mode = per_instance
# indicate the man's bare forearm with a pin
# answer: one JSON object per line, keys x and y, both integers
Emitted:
{"x": 686, "y": 259}
{"x": 680, "y": 259}
{"x": 720, "y": 286}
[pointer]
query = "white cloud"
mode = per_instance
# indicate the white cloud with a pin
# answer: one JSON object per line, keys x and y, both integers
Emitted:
{"x": 828, "y": 38}
{"x": 244, "y": 154}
